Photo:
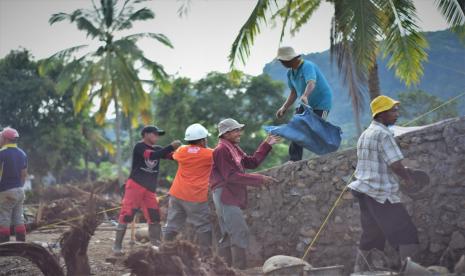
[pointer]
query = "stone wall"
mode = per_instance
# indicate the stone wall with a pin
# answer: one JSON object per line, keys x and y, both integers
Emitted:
{"x": 284, "y": 218}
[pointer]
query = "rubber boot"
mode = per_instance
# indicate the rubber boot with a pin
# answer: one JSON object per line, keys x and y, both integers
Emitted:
{"x": 362, "y": 261}
{"x": 225, "y": 253}
{"x": 20, "y": 237}
{"x": 4, "y": 238}
{"x": 155, "y": 233}
{"x": 239, "y": 257}
{"x": 169, "y": 236}
{"x": 205, "y": 243}
{"x": 20, "y": 232}
{"x": 408, "y": 250}
{"x": 118, "y": 245}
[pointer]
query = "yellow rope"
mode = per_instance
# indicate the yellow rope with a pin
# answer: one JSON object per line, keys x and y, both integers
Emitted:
{"x": 81, "y": 216}
{"x": 336, "y": 203}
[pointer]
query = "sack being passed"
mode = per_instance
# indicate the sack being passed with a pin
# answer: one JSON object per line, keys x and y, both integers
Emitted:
{"x": 310, "y": 131}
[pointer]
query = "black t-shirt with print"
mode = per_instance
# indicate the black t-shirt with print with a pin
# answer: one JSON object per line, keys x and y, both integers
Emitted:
{"x": 146, "y": 163}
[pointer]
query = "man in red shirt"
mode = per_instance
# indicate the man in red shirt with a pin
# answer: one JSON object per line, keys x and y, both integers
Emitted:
{"x": 228, "y": 182}
{"x": 141, "y": 186}
{"x": 189, "y": 191}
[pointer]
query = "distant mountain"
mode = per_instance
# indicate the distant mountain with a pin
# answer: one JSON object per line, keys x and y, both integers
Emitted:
{"x": 444, "y": 76}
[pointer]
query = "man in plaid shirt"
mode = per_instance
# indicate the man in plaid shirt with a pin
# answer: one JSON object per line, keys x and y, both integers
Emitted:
{"x": 383, "y": 216}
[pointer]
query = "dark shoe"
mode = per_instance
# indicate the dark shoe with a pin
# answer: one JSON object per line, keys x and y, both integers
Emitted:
{"x": 239, "y": 257}
{"x": 205, "y": 243}
{"x": 408, "y": 250}
{"x": 118, "y": 245}
{"x": 155, "y": 233}
{"x": 225, "y": 253}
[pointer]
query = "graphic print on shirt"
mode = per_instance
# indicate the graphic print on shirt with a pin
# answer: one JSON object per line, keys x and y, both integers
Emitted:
{"x": 150, "y": 165}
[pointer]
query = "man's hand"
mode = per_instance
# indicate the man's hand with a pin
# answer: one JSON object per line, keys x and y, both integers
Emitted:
{"x": 176, "y": 144}
{"x": 304, "y": 99}
{"x": 268, "y": 180}
{"x": 272, "y": 139}
{"x": 280, "y": 112}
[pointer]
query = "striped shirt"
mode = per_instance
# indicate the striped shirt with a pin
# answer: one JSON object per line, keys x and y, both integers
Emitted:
{"x": 376, "y": 150}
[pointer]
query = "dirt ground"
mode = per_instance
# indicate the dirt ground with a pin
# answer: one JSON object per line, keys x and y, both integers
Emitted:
{"x": 99, "y": 251}
{"x": 101, "y": 259}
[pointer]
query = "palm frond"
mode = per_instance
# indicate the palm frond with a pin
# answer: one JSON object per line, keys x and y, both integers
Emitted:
{"x": 139, "y": 15}
{"x": 285, "y": 19}
{"x": 84, "y": 24}
{"x": 404, "y": 44}
{"x": 105, "y": 100}
{"x": 183, "y": 10}
{"x": 352, "y": 77}
{"x": 159, "y": 37}
{"x": 453, "y": 11}
{"x": 363, "y": 30}
{"x": 245, "y": 39}
{"x": 108, "y": 9}
{"x": 58, "y": 17}
{"x": 303, "y": 13}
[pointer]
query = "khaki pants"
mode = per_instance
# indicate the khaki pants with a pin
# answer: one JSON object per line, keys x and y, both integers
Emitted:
{"x": 234, "y": 229}
{"x": 11, "y": 209}
{"x": 195, "y": 213}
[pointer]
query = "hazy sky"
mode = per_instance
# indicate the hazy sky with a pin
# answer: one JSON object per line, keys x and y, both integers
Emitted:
{"x": 202, "y": 39}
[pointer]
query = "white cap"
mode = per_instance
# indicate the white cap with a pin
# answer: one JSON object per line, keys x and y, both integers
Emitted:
{"x": 195, "y": 132}
{"x": 286, "y": 53}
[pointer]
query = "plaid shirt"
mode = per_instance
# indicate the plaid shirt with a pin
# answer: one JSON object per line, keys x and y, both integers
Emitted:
{"x": 376, "y": 150}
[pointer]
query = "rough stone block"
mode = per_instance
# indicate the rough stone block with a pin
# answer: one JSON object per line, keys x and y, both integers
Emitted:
{"x": 457, "y": 241}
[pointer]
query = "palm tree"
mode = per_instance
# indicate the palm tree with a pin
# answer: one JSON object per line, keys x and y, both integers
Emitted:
{"x": 360, "y": 31}
{"x": 110, "y": 74}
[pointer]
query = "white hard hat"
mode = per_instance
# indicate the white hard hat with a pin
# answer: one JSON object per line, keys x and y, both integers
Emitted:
{"x": 196, "y": 132}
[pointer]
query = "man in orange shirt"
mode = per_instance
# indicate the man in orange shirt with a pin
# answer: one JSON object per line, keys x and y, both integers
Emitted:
{"x": 189, "y": 191}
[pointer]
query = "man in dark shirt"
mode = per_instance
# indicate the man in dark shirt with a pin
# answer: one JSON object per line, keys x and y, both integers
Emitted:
{"x": 141, "y": 185}
{"x": 228, "y": 182}
{"x": 13, "y": 172}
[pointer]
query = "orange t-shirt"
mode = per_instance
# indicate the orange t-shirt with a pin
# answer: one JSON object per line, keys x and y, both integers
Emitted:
{"x": 191, "y": 181}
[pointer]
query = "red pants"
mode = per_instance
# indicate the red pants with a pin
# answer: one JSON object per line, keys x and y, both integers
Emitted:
{"x": 136, "y": 197}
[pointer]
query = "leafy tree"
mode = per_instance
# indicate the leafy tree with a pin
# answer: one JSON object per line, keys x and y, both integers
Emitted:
{"x": 357, "y": 28}
{"x": 418, "y": 102}
{"x": 111, "y": 73}
{"x": 50, "y": 133}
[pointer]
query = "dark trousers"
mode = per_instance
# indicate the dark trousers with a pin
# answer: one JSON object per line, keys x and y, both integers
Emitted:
{"x": 296, "y": 151}
{"x": 381, "y": 222}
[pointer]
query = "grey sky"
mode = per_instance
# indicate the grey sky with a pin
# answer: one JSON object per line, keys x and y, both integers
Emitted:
{"x": 202, "y": 40}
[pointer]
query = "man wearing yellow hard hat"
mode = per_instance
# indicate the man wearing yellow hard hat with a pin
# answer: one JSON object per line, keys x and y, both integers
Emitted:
{"x": 383, "y": 217}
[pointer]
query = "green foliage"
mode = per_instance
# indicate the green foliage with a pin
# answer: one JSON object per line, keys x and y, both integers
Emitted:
{"x": 251, "y": 100}
{"x": 50, "y": 133}
{"x": 111, "y": 73}
{"x": 404, "y": 44}
{"x": 416, "y": 103}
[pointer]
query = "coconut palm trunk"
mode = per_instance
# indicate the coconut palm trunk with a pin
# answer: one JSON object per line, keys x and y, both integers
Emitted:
{"x": 119, "y": 157}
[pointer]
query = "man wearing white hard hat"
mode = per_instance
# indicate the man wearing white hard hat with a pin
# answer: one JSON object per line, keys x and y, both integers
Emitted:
{"x": 189, "y": 191}
{"x": 308, "y": 86}
{"x": 13, "y": 172}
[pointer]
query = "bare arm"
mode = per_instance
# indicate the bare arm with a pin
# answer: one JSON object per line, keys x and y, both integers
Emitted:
{"x": 288, "y": 103}
{"x": 308, "y": 91}
{"x": 399, "y": 169}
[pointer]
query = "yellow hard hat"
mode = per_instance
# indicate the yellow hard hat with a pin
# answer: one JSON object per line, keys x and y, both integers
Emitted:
{"x": 381, "y": 104}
